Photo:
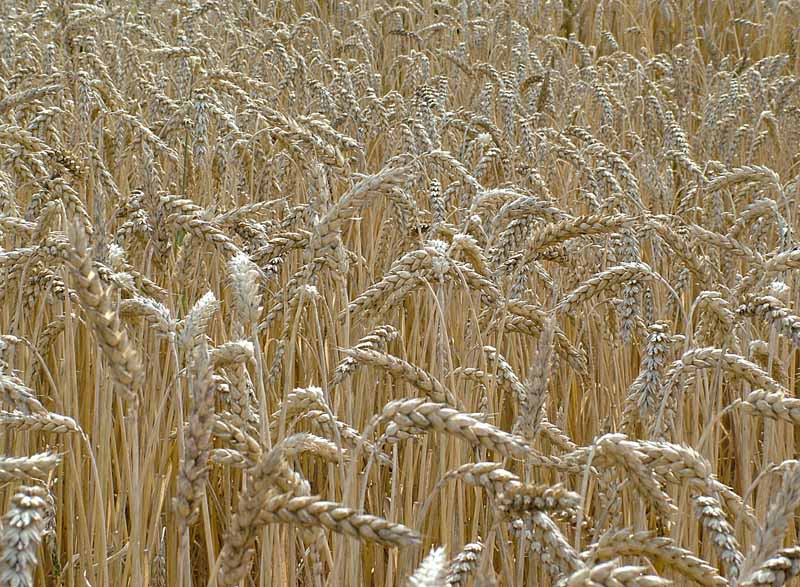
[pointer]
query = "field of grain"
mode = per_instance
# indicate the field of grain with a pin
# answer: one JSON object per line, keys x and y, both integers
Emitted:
{"x": 404, "y": 292}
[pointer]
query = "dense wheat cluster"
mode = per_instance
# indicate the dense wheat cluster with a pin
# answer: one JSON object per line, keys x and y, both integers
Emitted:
{"x": 405, "y": 292}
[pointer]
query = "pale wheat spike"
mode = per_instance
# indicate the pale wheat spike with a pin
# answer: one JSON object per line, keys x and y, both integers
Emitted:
{"x": 725, "y": 243}
{"x": 773, "y": 311}
{"x": 781, "y": 512}
{"x": 193, "y": 473}
{"x": 747, "y": 173}
{"x": 231, "y": 458}
{"x": 466, "y": 247}
{"x": 207, "y": 232}
{"x": 602, "y": 281}
{"x": 557, "y": 437}
{"x": 520, "y": 500}
{"x": 15, "y": 100}
{"x": 48, "y": 422}
{"x": 300, "y": 400}
{"x": 402, "y": 369}
{"x": 697, "y": 265}
{"x": 279, "y": 246}
{"x": 38, "y": 466}
{"x": 777, "y": 570}
{"x": 419, "y": 414}
{"x": 708, "y": 358}
{"x": 626, "y": 455}
{"x": 704, "y": 358}
{"x": 237, "y": 553}
{"x": 310, "y": 511}
{"x": 773, "y": 405}
{"x": 754, "y": 210}
{"x": 232, "y": 353}
{"x": 537, "y": 381}
{"x": 431, "y": 571}
{"x": 412, "y": 270}
{"x": 154, "y": 313}
{"x": 345, "y": 432}
{"x": 226, "y": 426}
{"x": 546, "y": 537}
{"x": 508, "y": 378}
{"x": 720, "y": 533}
{"x": 350, "y": 202}
{"x": 244, "y": 276}
{"x": 612, "y": 574}
{"x": 22, "y": 398}
{"x": 315, "y": 445}
{"x": 126, "y": 367}
{"x": 22, "y": 532}
{"x": 489, "y": 475}
{"x": 640, "y": 402}
{"x": 464, "y": 564}
{"x": 377, "y": 339}
{"x": 662, "y": 549}
{"x": 784, "y": 261}
{"x": 193, "y": 329}
{"x": 559, "y": 232}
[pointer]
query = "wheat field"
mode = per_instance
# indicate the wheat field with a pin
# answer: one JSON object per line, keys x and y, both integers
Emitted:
{"x": 399, "y": 292}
